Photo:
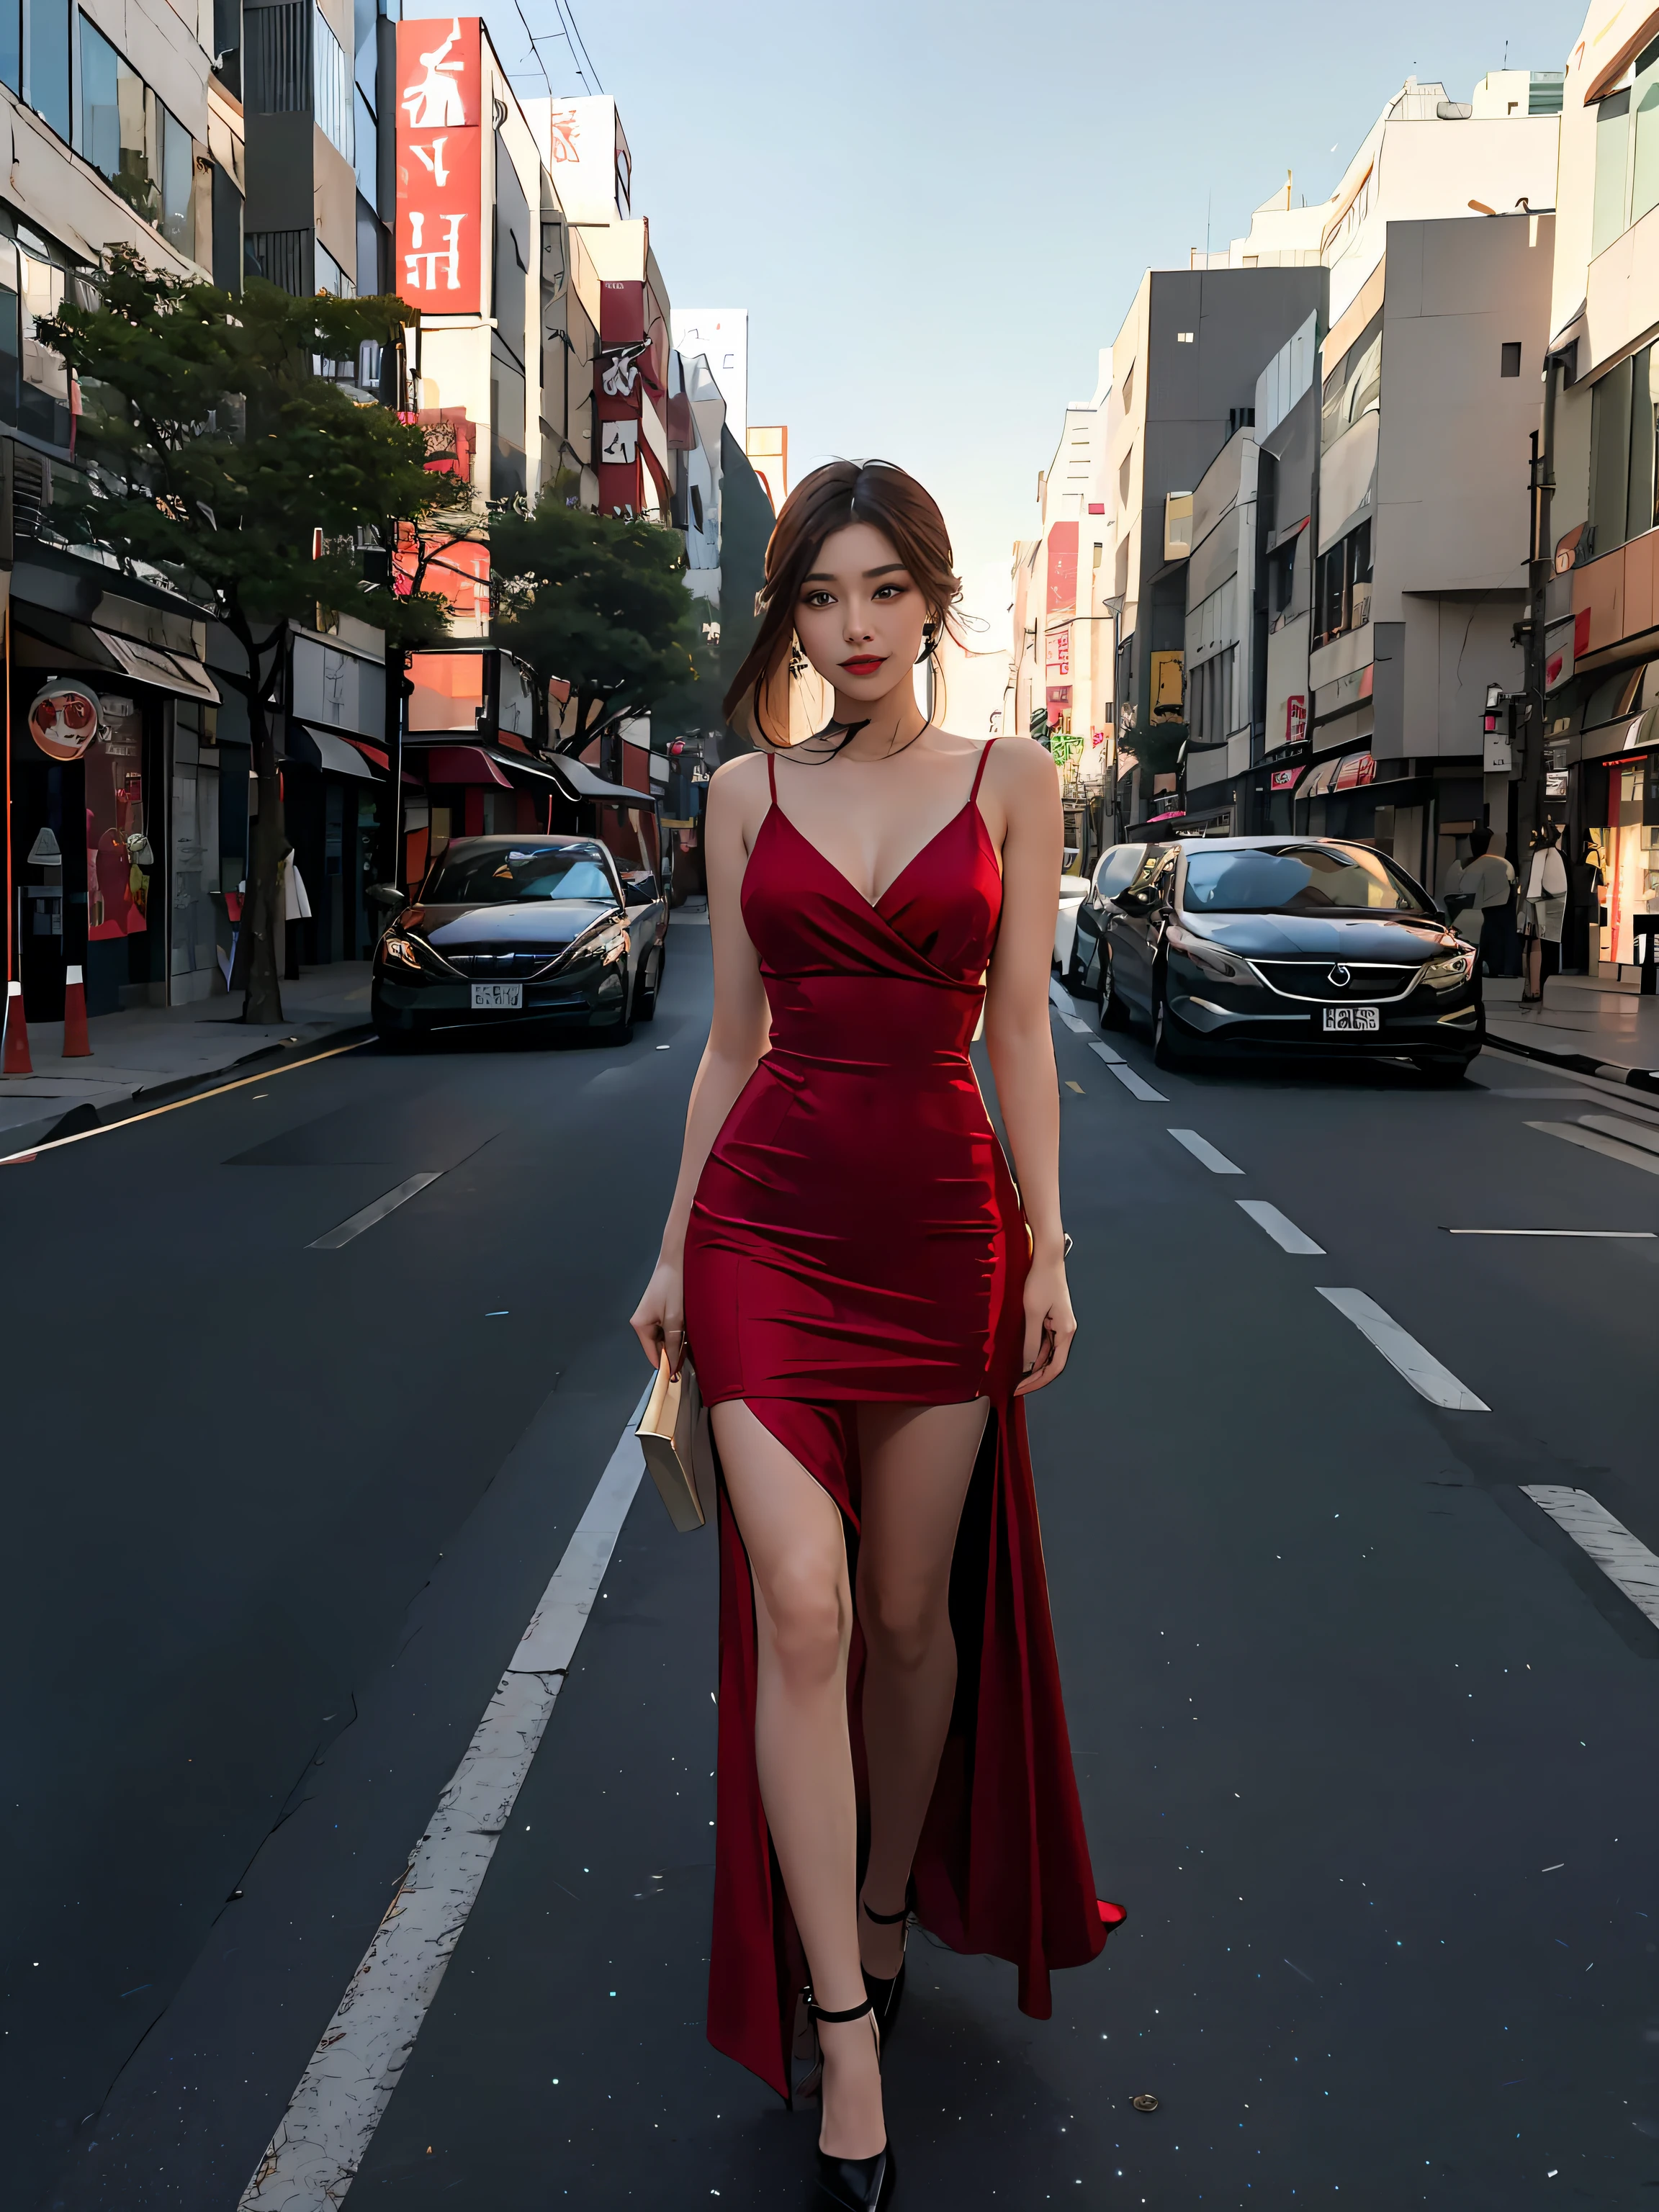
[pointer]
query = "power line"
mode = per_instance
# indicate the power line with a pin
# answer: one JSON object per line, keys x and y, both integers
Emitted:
{"x": 535, "y": 51}
{"x": 571, "y": 35}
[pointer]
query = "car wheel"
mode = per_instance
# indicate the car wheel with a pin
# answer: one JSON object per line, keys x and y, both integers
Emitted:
{"x": 1114, "y": 1007}
{"x": 1167, "y": 1048}
{"x": 646, "y": 990}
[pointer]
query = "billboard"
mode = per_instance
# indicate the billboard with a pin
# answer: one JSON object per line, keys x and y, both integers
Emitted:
{"x": 439, "y": 260}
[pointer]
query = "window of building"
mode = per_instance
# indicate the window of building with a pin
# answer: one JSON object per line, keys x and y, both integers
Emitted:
{"x": 1123, "y": 479}
{"x": 136, "y": 141}
{"x": 11, "y": 45}
{"x": 1129, "y": 387}
{"x": 44, "y": 397}
{"x": 331, "y": 87}
{"x": 1612, "y": 171}
{"x": 1281, "y": 579}
{"x": 282, "y": 258}
{"x": 1624, "y": 452}
{"x": 1354, "y": 386}
{"x": 1511, "y": 358}
{"x": 113, "y": 135}
{"x": 1342, "y": 587}
{"x": 46, "y": 61}
{"x": 696, "y": 510}
{"x": 1644, "y": 134}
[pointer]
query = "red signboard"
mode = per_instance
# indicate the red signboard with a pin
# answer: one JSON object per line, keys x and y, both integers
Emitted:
{"x": 1296, "y": 718}
{"x": 1062, "y": 569}
{"x": 440, "y": 260}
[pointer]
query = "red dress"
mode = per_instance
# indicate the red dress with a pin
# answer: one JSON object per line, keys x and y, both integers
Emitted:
{"x": 856, "y": 1236}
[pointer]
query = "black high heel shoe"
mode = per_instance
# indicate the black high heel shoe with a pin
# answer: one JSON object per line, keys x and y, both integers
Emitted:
{"x": 854, "y": 2185}
{"x": 886, "y": 1993}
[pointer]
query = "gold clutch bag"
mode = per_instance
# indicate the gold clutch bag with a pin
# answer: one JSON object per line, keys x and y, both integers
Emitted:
{"x": 673, "y": 1434}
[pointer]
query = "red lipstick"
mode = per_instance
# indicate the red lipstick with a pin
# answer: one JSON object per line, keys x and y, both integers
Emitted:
{"x": 866, "y": 664}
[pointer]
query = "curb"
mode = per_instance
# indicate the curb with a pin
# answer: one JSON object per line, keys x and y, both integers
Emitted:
{"x": 85, "y": 1116}
{"x": 1578, "y": 1063}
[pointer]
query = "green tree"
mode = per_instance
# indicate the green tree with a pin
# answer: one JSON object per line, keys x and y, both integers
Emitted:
{"x": 597, "y": 603}
{"x": 215, "y": 452}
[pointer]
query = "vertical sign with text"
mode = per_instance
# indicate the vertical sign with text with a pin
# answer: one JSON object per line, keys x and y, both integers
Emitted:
{"x": 439, "y": 263}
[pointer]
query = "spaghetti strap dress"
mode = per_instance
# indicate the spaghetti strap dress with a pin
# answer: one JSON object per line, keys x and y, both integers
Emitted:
{"x": 856, "y": 1239}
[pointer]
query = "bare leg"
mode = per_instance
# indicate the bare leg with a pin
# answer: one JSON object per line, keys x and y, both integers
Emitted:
{"x": 797, "y": 1550}
{"x": 916, "y": 1463}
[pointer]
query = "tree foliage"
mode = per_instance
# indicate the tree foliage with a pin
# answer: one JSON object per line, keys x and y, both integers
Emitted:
{"x": 597, "y": 603}
{"x": 214, "y": 452}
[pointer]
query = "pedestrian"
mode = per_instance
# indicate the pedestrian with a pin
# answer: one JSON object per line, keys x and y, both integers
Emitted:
{"x": 867, "y": 1299}
{"x": 1488, "y": 879}
{"x": 1544, "y": 907}
{"x": 296, "y": 908}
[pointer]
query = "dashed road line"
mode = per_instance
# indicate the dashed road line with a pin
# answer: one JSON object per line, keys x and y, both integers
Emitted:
{"x": 1136, "y": 1085}
{"x": 1617, "y": 1233}
{"x": 1111, "y": 1058}
{"x": 1402, "y": 1351}
{"x": 354, "y": 1225}
{"x": 1621, "y": 1557}
{"x": 1630, "y": 1155}
{"x": 1280, "y": 1227}
{"x": 317, "y": 2151}
{"x": 1204, "y": 1152}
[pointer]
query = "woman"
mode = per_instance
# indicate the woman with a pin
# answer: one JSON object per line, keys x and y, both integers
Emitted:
{"x": 865, "y": 1304}
{"x": 1546, "y": 905}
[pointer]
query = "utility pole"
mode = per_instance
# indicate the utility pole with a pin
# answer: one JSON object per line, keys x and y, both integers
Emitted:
{"x": 1541, "y": 566}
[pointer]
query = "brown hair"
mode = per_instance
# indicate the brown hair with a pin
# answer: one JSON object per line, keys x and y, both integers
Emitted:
{"x": 840, "y": 493}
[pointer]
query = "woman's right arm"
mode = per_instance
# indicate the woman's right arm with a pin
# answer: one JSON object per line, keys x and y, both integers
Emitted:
{"x": 736, "y": 1039}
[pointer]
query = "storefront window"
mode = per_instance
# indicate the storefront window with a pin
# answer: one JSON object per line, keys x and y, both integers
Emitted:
{"x": 118, "y": 857}
{"x": 447, "y": 691}
{"x": 194, "y": 829}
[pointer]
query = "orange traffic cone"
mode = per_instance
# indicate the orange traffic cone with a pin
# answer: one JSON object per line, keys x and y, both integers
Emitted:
{"x": 17, "y": 1060}
{"x": 76, "y": 1045}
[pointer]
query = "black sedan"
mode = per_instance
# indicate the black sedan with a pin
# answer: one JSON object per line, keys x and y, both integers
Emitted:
{"x": 519, "y": 930}
{"x": 1115, "y": 870}
{"x": 1288, "y": 946}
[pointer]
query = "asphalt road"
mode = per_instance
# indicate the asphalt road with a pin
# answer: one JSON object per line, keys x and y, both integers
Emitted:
{"x": 1343, "y": 1697}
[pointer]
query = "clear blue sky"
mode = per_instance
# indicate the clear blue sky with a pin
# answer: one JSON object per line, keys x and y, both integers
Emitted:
{"x": 937, "y": 214}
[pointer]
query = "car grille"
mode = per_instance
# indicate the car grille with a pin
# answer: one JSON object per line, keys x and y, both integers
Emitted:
{"x": 501, "y": 967}
{"x": 1367, "y": 981}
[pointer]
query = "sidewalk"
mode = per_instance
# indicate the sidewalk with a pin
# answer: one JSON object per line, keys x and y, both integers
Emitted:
{"x": 146, "y": 1052}
{"x": 1593, "y": 1028}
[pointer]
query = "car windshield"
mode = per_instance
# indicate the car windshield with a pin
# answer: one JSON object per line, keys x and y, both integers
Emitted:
{"x": 1297, "y": 879}
{"x": 530, "y": 871}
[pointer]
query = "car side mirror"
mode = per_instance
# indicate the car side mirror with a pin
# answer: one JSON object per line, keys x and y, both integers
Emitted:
{"x": 385, "y": 895}
{"x": 641, "y": 891}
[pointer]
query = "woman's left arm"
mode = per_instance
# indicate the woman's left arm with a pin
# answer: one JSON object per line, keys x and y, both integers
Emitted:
{"x": 1021, "y": 1043}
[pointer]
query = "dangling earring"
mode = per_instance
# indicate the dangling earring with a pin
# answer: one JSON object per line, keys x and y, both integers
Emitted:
{"x": 798, "y": 662}
{"x": 929, "y": 642}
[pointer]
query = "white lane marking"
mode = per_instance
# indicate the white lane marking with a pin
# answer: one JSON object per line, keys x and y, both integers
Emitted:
{"x": 1622, "y": 1558}
{"x": 1551, "y": 1232}
{"x": 1629, "y": 1132}
{"x": 1072, "y": 1022}
{"x": 1420, "y": 1367}
{"x": 1204, "y": 1152}
{"x": 1570, "y": 1134}
{"x": 1280, "y": 1227}
{"x": 1059, "y": 998}
{"x": 316, "y": 2152}
{"x": 1112, "y": 1058}
{"x": 1136, "y": 1085}
{"x": 369, "y": 1215}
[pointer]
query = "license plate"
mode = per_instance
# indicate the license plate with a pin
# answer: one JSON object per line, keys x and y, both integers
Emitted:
{"x": 499, "y": 995}
{"x": 1353, "y": 1018}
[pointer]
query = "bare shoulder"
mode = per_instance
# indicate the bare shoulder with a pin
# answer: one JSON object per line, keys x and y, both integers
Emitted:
{"x": 737, "y": 790}
{"x": 1021, "y": 774}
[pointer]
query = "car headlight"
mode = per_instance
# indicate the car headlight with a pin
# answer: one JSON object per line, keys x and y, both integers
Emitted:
{"x": 1213, "y": 959}
{"x": 1450, "y": 968}
{"x": 402, "y": 950}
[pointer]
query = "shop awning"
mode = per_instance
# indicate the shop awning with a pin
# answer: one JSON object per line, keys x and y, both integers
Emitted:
{"x": 457, "y": 764}
{"x": 155, "y": 663}
{"x": 324, "y": 750}
{"x": 582, "y": 782}
{"x": 1345, "y": 772}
